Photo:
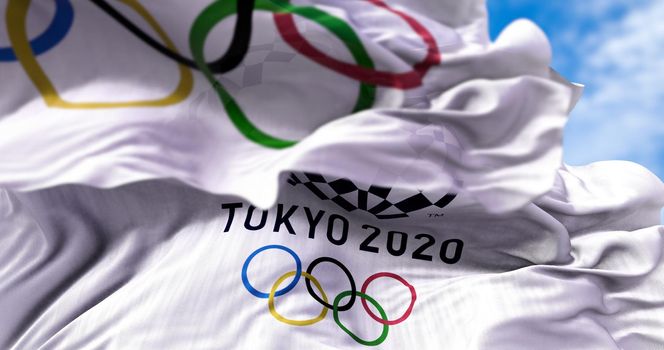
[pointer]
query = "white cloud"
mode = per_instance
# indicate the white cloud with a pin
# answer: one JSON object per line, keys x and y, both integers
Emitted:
{"x": 622, "y": 114}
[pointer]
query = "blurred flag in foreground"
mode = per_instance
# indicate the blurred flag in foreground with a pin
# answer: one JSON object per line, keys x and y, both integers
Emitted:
{"x": 316, "y": 174}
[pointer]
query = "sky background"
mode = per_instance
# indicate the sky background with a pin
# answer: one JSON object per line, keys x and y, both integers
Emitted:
{"x": 616, "y": 49}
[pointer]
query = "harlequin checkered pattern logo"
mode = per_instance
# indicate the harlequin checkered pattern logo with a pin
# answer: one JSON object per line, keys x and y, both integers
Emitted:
{"x": 382, "y": 202}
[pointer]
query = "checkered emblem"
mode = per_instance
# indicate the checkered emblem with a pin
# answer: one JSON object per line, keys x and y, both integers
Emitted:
{"x": 382, "y": 202}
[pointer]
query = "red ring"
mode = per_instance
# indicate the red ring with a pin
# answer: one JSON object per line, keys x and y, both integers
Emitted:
{"x": 288, "y": 30}
{"x": 413, "y": 297}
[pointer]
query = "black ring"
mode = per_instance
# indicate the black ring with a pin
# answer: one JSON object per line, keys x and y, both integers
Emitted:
{"x": 353, "y": 289}
{"x": 231, "y": 59}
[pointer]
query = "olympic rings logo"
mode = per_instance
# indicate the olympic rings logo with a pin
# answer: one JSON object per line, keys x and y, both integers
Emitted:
{"x": 363, "y": 70}
{"x": 25, "y": 51}
{"x": 51, "y": 36}
{"x": 322, "y": 298}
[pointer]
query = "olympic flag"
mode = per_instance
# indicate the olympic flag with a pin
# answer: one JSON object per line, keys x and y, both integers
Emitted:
{"x": 309, "y": 174}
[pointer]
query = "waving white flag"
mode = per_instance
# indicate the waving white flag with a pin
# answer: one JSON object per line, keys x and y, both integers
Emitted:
{"x": 155, "y": 265}
{"x": 121, "y": 92}
{"x": 345, "y": 174}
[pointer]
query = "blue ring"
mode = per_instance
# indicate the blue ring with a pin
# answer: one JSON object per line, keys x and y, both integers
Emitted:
{"x": 259, "y": 294}
{"x": 56, "y": 31}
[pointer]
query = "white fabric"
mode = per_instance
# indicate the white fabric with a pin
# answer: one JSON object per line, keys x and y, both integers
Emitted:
{"x": 112, "y": 221}
{"x": 498, "y": 100}
{"x": 149, "y": 266}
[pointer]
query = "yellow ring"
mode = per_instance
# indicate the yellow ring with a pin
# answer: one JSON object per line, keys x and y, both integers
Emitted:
{"x": 273, "y": 310}
{"x": 17, "y": 11}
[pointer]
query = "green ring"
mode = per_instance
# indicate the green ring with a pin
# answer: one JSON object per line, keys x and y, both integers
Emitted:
{"x": 219, "y": 10}
{"x": 383, "y": 315}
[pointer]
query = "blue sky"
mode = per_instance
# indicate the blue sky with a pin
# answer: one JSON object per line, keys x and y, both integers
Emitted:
{"x": 616, "y": 49}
